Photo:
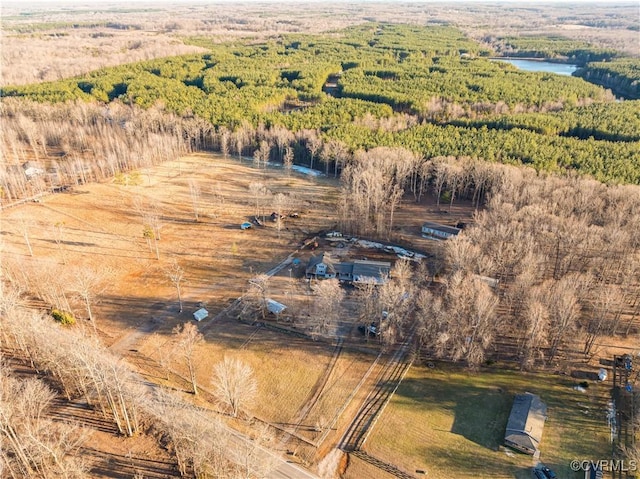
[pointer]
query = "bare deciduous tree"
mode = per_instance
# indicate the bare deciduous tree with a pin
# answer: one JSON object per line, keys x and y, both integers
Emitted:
{"x": 288, "y": 159}
{"x": 261, "y": 155}
{"x": 327, "y": 308}
{"x": 282, "y": 205}
{"x": 259, "y": 192}
{"x": 224, "y": 135}
{"x": 188, "y": 338}
{"x": 32, "y": 444}
{"x": 89, "y": 283}
{"x": 255, "y": 299}
{"x": 234, "y": 384}
{"x": 175, "y": 274}
{"x": 25, "y": 224}
{"x": 58, "y": 235}
{"x": 194, "y": 192}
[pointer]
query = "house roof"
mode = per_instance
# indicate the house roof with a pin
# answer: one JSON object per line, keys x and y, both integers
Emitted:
{"x": 358, "y": 270}
{"x": 315, "y": 260}
{"x": 444, "y": 228}
{"x": 344, "y": 269}
{"x": 371, "y": 269}
{"x": 526, "y": 421}
{"x": 322, "y": 258}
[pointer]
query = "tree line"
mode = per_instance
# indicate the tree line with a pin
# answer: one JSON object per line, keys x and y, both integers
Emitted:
{"x": 550, "y": 48}
{"x": 79, "y": 142}
{"x": 426, "y": 89}
{"x": 547, "y": 269}
{"x": 621, "y": 75}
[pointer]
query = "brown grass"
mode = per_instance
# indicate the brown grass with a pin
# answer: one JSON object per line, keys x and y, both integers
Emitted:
{"x": 101, "y": 227}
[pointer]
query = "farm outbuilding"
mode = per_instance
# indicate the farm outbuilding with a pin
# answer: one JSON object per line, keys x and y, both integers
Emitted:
{"x": 274, "y": 307}
{"x": 526, "y": 422}
{"x": 438, "y": 231}
{"x": 201, "y": 314}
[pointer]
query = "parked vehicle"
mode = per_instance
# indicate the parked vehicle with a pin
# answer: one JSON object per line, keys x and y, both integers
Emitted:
{"x": 549, "y": 474}
{"x": 538, "y": 474}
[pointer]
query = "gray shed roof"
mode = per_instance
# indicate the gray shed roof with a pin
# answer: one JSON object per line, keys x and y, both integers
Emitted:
{"x": 201, "y": 314}
{"x": 274, "y": 307}
{"x": 444, "y": 228}
{"x": 526, "y": 422}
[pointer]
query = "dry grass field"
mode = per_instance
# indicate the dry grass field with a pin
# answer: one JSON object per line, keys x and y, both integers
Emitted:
{"x": 304, "y": 385}
{"x": 100, "y": 226}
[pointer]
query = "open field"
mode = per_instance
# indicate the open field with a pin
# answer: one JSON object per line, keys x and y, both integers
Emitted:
{"x": 450, "y": 423}
{"x": 303, "y": 387}
{"x": 538, "y": 292}
{"x": 100, "y": 226}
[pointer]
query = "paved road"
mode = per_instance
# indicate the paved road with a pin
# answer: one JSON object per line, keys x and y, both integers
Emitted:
{"x": 282, "y": 469}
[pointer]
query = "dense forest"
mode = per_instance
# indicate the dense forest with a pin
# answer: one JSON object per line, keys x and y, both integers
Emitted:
{"x": 429, "y": 89}
{"x": 550, "y": 48}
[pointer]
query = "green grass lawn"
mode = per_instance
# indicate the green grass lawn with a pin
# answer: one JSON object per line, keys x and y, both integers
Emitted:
{"x": 450, "y": 423}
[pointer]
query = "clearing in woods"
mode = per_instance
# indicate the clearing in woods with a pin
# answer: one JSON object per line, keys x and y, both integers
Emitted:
{"x": 303, "y": 385}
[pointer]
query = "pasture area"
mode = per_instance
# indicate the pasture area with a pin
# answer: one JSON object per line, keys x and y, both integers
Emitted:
{"x": 100, "y": 227}
{"x": 450, "y": 422}
{"x": 45, "y": 245}
{"x": 445, "y": 421}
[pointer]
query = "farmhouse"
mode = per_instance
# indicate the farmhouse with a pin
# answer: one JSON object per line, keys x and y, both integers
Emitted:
{"x": 438, "y": 231}
{"x": 358, "y": 271}
{"x": 526, "y": 421}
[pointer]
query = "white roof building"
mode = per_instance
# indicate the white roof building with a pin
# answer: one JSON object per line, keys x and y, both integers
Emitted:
{"x": 201, "y": 314}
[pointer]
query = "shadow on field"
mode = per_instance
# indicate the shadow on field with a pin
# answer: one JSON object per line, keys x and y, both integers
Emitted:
{"x": 481, "y": 415}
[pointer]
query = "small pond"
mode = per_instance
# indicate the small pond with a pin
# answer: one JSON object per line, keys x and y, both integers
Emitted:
{"x": 540, "y": 66}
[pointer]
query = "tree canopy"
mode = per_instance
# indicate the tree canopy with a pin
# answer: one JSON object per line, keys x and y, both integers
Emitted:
{"x": 429, "y": 89}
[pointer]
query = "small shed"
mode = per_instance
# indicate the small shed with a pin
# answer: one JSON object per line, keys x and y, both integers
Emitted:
{"x": 245, "y": 226}
{"x": 526, "y": 422}
{"x": 201, "y": 314}
{"x": 274, "y": 307}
